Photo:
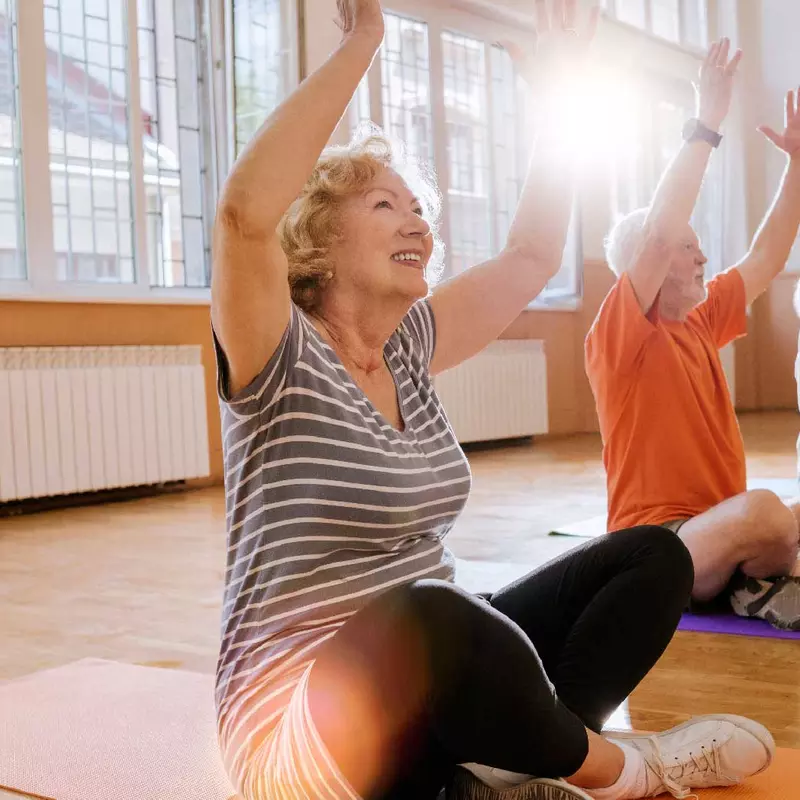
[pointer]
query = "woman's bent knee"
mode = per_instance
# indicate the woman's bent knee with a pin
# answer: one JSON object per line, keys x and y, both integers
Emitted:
{"x": 666, "y": 549}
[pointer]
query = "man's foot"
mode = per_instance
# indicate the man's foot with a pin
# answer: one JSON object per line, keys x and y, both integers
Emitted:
{"x": 708, "y": 751}
{"x": 477, "y": 782}
{"x": 776, "y": 601}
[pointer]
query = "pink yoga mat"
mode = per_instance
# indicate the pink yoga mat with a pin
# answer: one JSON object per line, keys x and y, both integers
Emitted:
{"x": 733, "y": 625}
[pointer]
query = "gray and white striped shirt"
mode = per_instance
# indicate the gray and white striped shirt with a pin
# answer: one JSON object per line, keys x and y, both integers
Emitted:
{"x": 327, "y": 506}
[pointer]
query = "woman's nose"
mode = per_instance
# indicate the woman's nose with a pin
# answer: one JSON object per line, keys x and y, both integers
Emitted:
{"x": 417, "y": 226}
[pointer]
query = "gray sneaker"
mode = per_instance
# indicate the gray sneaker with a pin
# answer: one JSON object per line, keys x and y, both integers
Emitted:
{"x": 477, "y": 782}
{"x": 776, "y": 601}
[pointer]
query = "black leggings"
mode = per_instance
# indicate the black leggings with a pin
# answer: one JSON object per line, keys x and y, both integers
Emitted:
{"x": 428, "y": 676}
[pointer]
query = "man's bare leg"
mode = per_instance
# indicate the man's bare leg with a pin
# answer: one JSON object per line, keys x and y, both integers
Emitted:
{"x": 794, "y": 507}
{"x": 755, "y": 531}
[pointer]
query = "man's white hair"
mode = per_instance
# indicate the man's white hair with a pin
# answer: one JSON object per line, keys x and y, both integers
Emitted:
{"x": 622, "y": 242}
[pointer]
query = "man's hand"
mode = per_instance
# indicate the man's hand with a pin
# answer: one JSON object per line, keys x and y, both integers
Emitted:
{"x": 789, "y": 141}
{"x": 715, "y": 87}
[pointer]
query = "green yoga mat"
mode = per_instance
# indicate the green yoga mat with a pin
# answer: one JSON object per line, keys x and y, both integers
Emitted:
{"x": 596, "y": 526}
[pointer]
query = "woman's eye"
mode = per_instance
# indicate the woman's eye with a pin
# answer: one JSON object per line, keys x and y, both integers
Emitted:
{"x": 383, "y": 204}
{"x": 418, "y": 212}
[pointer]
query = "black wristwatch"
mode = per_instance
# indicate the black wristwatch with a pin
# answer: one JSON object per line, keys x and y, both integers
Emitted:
{"x": 695, "y": 131}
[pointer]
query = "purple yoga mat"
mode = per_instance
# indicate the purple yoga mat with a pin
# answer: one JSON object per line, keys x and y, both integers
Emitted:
{"x": 734, "y": 625}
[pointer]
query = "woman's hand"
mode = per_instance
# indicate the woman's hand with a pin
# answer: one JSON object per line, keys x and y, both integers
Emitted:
{"x": 789, "y": 141}
{"x": 361, "y": 18}
{"x": 715, "y": 88}
{"x": 559, "y": 56}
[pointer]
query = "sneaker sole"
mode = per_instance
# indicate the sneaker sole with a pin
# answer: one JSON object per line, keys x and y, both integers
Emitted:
{"x": 465, "y": 786}
{"x": 753, "y": 728}
{"x": 760, "y": 606}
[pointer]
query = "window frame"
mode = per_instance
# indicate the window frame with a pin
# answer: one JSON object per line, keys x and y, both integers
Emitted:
{"x": 215, "y": 62}
{"x": 490, "y": 32}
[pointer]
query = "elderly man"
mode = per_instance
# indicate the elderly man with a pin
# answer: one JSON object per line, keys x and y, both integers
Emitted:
{"x": 673, "y": 451}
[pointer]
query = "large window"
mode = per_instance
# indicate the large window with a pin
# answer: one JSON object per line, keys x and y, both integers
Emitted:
{"x": 133, "y": 110}
{"x": 451, "y": 95}
{"x": 12, "y": 239}
{"x": 684, "y": 22}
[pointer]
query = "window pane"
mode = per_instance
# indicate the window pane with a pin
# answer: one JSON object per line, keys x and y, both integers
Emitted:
{"x": 89, "y": 154}
{"x": 632, "y": 12}
{"x": 467, "y": 135}
{"x": 695, "y": 22}
{"x": 263, "y": 39}
{"x": 666, "y": 19}
{"x": 510, "y": 141}
{"x": 359, "y": 109}
{"x": 171, "y": 90}
{"x": 12, "y": 240}
{"x": 405, "y": 86}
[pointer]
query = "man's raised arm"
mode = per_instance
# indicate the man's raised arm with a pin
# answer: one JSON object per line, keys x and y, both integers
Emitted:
{"x": 679, "y": 187}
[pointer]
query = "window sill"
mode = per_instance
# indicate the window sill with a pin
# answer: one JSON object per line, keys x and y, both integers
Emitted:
{"x": 564, "y": 303}
{"x": 75, "y": 292}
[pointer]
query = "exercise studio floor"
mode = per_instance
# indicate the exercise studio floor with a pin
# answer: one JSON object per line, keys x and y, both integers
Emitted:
{"x": 139, "y": 581}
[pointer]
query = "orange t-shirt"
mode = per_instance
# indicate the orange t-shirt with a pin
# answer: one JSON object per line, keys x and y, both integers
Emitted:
{"x": 672, "y": 447}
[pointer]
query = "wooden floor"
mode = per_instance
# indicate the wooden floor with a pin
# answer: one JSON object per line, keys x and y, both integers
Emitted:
{"x": 141, "y": 581}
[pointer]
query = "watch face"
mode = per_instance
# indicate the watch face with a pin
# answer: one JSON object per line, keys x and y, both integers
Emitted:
{"x": 690, "y": 129}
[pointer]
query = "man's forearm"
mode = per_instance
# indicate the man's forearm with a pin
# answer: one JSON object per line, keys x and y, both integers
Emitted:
{"x": 678, "y": 190}
{"x": 677, "y": 193}
{"x": 775, "y": 237}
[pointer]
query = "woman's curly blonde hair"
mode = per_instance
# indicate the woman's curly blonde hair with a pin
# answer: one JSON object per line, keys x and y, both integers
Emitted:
{"x": 310, "y": 226}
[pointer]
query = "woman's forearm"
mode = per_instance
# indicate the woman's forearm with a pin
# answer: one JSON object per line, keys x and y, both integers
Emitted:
{"x": 275, "y": 164}
{"x": 539, "y": 228}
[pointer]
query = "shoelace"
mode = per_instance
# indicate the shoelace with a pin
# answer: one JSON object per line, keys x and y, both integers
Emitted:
{"x": 674, "y": 777}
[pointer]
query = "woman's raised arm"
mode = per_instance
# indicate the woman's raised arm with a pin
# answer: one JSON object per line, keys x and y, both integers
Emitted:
{"x": 250, "y": 301}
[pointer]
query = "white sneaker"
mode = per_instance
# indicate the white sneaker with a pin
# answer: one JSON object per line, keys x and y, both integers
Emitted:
{"x": 495, "y": 777}
{"x": 719, "y": 750}
{"x": 478, "y": 782}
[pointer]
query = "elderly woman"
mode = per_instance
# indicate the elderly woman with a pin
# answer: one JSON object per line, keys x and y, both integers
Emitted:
{"x": 351, "y": 666}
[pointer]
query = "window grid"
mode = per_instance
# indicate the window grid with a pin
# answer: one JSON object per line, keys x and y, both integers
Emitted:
{"x": 12, "y": 233}
{"x": 405, "y": 85}
{"x": 90, "y": 158}
{"x": 258, "y": 71}
{"x": 175, "y": 172}
{"x": 467, "y": 137}
{"x": 89, "y": 76}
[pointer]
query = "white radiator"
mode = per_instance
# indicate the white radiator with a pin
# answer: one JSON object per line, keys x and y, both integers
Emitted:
{"x": 80, "y": 419}
{"x": 499, "y": 394}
